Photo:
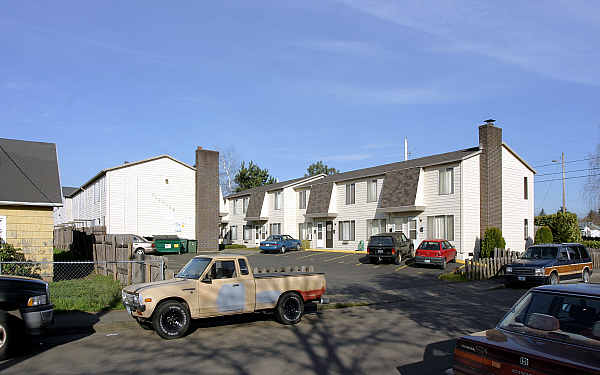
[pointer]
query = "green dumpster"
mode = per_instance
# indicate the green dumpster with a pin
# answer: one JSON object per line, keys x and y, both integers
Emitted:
{"x": 169, "y": 244}
{"x": 192, "y": 246}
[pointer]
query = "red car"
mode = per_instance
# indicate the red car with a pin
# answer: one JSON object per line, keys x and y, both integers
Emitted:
{"x": 437, "y": 252}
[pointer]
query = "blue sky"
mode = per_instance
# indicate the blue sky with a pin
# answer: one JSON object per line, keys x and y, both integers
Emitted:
{"x": 286, "y": 83}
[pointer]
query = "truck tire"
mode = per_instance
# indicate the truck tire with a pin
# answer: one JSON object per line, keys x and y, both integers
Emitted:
{"x": 585, "y": 277}
{"x": 289, "y": 309}
{"x": 171, "y": 320}
{"x": 553, "y": 279}
{"x": 140, "y": 251}
{"x": 7, "y": 336}
{"x": 398, "y": 259}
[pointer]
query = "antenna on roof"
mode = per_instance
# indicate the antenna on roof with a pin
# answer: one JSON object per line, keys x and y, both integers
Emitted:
{"x": 405, "y": 148}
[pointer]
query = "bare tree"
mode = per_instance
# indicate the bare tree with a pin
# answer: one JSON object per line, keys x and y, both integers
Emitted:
{"x": 229, "y": 165}
{"x": 592, "y": 187}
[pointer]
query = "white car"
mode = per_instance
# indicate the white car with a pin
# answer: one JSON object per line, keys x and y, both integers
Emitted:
{"x": 141, "y": 245}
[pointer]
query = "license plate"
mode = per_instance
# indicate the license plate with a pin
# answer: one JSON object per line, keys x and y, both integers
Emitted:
{"x": 379, "y": 251}
{"x": 521, "y": 278}
{"x": 167, "y": 246}
{"x": 427, "y": 261}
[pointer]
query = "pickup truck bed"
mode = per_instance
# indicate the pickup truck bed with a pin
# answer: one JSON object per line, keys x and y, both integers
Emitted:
{"x": 296, "y": 274}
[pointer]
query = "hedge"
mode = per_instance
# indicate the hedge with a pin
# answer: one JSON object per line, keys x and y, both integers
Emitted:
{"x": 564, "y": 227}
{"x": 543, "y": 235}
{"x": 591, "y": 244}
{"x": 235, "y": 246}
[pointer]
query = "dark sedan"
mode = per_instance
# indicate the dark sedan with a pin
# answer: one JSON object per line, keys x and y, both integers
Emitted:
{"x": 280, "y": 243}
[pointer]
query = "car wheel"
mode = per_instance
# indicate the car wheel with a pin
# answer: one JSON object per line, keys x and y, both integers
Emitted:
{"x": 171, "y": 320}
{"x": 6, "y": 337}
{"x": 586, "y": 276}
{"x": 298, "y": 247}
{"x": 290, "y": 309}
{"x": 398, "y": 259}
{"x": 553, "y": 280}
{"x": 140, "y": 251}
{"x": 282, "y": 251}
{"x": 144, "y": 324}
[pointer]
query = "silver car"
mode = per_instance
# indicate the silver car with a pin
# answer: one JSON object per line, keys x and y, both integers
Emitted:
{"x": 141, "y": 245}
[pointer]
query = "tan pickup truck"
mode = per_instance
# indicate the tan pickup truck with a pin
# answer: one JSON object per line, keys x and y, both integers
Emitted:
{"x": 216, "y": 285}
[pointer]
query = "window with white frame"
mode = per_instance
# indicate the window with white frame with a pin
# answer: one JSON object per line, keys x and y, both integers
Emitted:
{"x": 245, "y": 201}
{"x": 346, "y": 230}
{"x": 375, "y": 226}
{"x": 446, "y": 181}
{"x": 236, "y": 206}
{"x": 441, "y": 227}
{"x": 233, "y": 232}
{"x": 305, "y": 231}
{"x": 412, "y": 229}
{"x": 526, "y": 229}
{"x": 247, "y": 232}
{"x": 302, "y": 199}
{"x": 275, "y": 228}
{"x": 350, "y": 193}
{"x": 277, "y": 197}
{"x": 372, "y": 191}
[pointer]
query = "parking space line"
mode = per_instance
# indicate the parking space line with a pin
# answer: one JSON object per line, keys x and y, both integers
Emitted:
{"x": 310, "y": 255}
{"x": 376, "y": 266}
{"x": 401, "y": 267}
{"x": 332, "y": 259}
{"x": 358, "y": 264}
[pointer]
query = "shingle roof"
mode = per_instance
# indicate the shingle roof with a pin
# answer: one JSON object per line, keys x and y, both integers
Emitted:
{"x": 318, "y": 201}
{"x": 264, "y": 188}
{"x": 255, "y": 204}
{"x": 67, "y": 190}
{"x": 29, "y": 173}
{"x": 399, "y": 188}
{"x": 447, "y": 157}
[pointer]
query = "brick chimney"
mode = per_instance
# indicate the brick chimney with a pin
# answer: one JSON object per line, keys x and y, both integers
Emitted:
{"x": 207, "y": 199}
{"x": 490, "y": 169}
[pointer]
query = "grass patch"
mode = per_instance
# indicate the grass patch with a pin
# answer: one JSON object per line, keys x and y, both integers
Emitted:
{"x": 453, "y": 277}
{"x": 92, "y": 294}
{"x": 235, "y": 246}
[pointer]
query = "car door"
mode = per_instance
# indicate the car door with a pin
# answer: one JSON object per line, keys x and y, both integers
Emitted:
{"x": 563, "y": 262}
{"x": 249, "y": 286}
{"x": 405, "y": 245}
{"x": 221, "y": 292}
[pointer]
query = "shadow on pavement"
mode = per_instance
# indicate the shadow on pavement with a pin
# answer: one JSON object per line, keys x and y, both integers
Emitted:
{"x": 437, "y": 358}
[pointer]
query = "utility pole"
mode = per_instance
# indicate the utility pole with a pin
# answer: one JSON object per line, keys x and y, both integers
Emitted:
{"x": 563, "y": 181}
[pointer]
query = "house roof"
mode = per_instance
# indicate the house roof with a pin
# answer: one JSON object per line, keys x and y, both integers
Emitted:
{"x": 29, "y": 173}
{"x": 382, "y": 169}
{"x": 270, "y": 187}
{"x": 255, "y": 204}
{"x": 67, "y": 191}
{"x": 318, "y": 201}
{"x": 399, "y": 188}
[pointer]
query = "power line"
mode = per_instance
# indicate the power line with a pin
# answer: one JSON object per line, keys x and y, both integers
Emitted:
{"x": 568, "y": 178}
{"x": 566, "y": 162}
{"x": 575, "y": 170}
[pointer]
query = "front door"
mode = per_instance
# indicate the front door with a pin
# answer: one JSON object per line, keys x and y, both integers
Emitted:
{"x": 320, "y": 236}
{"x": 257, "y": 235}
{"x": 329, "y": 234}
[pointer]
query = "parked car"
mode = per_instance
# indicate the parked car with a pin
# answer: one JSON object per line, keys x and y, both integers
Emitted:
{"x": 280, "y": 243}
{"x": 216, "y": 285}
{"x": 392, "y": 246}
{"x": 23, "y": 302}
{"x": 142, "y": 245}
{"x": 436, "y": 252}
{"x": 553, "y": 329}
{"x": 550, "y": 263}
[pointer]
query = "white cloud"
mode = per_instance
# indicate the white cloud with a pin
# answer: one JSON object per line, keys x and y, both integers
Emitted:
{"x": 552, "y": 39}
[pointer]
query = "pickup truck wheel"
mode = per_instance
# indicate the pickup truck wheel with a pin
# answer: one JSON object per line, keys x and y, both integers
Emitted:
{"x": 282, "y": 251}
{"x": 553, "y": 280}
{"x": 290, "y": 309}
{"x": 398, "y": 259}
{"x": 171, "y": 320}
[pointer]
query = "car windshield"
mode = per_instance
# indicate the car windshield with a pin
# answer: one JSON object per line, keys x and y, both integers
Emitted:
{"x": 429, "y": 245}
{"x": 540, "y": 253}
{"x": 194, "y": 268}
{"x": 571, "y": 319}
{"x": 274, "y": 238}
{"x": 381, "y": 241}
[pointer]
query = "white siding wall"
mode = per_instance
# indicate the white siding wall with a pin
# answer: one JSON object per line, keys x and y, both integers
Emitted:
{"x": 437, "y": 204}
{"x": 289, "y": 225}
{"x": 237, "y": 219}
{"x": 64, "y": 214}
{"x": 275, "y": 216}
{"x": 515, "y": 209}
{"x": 471, "y": 203}
{"x": 142, "y": 202}
{"x": 90, "y": 204}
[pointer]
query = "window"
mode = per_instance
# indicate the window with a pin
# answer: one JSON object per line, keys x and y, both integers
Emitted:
{"x": 233, "y": 232}
{"x": 346, "y": 230}
{"x": 574, "y": 253}
{"x": 302, "y": 199}
{"x": 441, "y": 227}
{"x": 275, "y": 229}
{"x": 350, "y": 193}
{"x": 243, "y": 267}
{"x": 372, "y": 191}
{"x": 245, "y": 202}
{"x": 526, "y": 229}
{"x": 375, "y": 226}
{"x": 247, "y": 232}
{"x": 277, "y": 200}
{"x": 412, "y": 229}
{"x": 525, "y": 187}
{"x": 446, "y": 181}
{"x": 304, "y": 231}
{"x": 223, "y": 269}
{"x": 264, "y": 231}
{"x": 235, "y": 206}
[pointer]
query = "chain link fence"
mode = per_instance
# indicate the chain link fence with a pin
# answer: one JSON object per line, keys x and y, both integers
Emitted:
{"x": 126, "y": 272}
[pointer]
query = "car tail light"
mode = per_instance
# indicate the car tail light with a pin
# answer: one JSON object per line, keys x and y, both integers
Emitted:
{"x": 368, "y": 249}
{"x": 153, "y": 245}
{"x": 393, "y": 251}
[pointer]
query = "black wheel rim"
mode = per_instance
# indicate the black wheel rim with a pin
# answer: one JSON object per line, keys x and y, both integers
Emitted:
{"x": 291, "y": 309}
{"x": 172, "y": 320}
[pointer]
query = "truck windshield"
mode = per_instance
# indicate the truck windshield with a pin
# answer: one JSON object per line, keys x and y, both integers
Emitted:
{"x": 570, "y": 319}
{"x": 540, "y": 253}
{"x": 381, "y": 241}
{"x": 194, "y": 268}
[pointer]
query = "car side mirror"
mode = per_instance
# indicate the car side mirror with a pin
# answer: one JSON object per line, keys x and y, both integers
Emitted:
{"x": 543, "y": 322}
{"x": 207, "y": 280}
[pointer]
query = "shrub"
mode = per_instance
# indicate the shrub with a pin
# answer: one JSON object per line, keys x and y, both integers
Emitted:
{"x": 235, "y": 246}
{"x": 564, "y": 226}
{"x": 8, "y": 253}
{"x": 492, "y": 239}
{"x": 544, "y": 235}
{"x": 591, "y": 244}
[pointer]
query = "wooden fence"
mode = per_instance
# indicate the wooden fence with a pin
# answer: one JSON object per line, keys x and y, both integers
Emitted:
{"x": 79, "y": 241}
{"x": 487, "y": 268}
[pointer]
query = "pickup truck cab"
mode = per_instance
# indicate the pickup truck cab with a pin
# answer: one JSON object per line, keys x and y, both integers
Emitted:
{"x": 22, "y": 300}
{"x": 215, "y": 285}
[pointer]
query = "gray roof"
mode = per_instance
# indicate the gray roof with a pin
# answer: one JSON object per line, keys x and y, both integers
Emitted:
{"x": 255, "y": 204}
{"x": 67, "y": 191}
{"x": 318, "y": 200}
{"x": 382, "y": 169}
{"x": 399, "y": 188}
{"x": 264, "y": 188}
{"x": 29, "y": 173}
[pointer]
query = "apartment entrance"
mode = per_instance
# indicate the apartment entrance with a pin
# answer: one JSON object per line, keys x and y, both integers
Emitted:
{"x": 320, "y": 235}
{"x": 329, "y": 234}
